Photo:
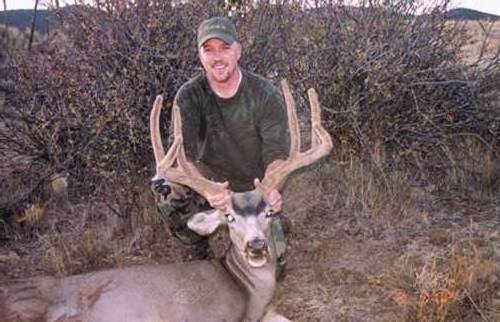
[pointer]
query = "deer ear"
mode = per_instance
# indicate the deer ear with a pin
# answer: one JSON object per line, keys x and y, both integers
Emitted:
{"x": 206, "y": 222}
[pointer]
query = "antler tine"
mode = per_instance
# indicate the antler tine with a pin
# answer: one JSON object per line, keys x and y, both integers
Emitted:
{"x": 321, "y": 143}
{"x": 154, "y": 121}
{"x": 185, "y": 173}
{"x": 174, "y": 151}
{"x": 293, "y": 124}
{"x": 316, "y": 118}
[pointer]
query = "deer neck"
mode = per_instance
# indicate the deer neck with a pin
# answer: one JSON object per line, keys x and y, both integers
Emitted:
{"x": 259, "y": 283}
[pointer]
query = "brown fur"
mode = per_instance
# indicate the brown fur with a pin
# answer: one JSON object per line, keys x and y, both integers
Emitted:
{"x": 66, "y": 318}
{"x": 89, "y": 296}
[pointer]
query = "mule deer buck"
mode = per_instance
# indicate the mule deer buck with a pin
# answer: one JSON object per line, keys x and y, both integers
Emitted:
{"x": 238, "y": 287}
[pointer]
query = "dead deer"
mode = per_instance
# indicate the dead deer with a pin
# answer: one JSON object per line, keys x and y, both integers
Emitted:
{"x": 238, "y": 287}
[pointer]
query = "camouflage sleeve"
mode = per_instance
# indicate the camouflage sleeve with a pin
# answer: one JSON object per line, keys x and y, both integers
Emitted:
{"x": 273, "y": 129}
{"x": 191, "y": 122}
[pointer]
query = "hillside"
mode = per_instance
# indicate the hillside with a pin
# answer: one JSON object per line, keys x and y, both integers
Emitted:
{"x": 46, "y": 19}
{"x": 22, "y": 19}
{"x": 470, "y": 14}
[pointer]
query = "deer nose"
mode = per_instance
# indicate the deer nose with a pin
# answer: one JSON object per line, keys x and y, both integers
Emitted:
{"x": 257, "y": 245}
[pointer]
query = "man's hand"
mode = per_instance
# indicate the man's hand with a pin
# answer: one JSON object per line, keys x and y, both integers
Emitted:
{"x": 221, "y": 200}
{"x": 273, "y": 197}
{"x": 165, "y": 190}
{"x": 274, "y": 200}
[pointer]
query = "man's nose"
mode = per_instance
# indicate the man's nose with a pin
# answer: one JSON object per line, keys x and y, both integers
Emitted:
{"x": 217, "y": 56}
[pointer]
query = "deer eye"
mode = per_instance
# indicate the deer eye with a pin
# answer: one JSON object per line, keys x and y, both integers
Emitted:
{"x": 269, "y": 213}
{"x": 229, "y": 218}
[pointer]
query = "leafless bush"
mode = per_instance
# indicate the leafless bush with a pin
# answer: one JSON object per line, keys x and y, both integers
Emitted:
{"x": 82, "y": 97}
{"x": 397, "y": 90}
{"x": 394, "y": 90}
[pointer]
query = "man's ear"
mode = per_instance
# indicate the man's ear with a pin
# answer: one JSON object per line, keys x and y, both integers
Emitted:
{"x": 239, "y": 50}
{"x": 206, "y": 222}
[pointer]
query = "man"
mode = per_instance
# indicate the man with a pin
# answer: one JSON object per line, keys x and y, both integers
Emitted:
{"x": 234, "y": 128}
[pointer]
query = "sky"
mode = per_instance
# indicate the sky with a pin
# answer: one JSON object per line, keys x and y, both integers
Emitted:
{"x": 489, "y": 6}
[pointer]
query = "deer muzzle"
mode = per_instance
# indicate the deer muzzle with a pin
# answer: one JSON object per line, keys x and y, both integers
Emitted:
{"x": 257, "y": 252}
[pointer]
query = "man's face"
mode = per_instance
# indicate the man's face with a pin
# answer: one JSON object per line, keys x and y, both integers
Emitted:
{"x": 220, "y": 59}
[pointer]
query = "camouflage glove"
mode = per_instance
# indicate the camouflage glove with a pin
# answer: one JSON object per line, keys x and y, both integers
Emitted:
{"x": 161, "y": 187}
{"x": 172, "y": 195}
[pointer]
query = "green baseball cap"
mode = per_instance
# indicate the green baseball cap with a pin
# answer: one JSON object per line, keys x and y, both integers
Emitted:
{"x": 217, "y": 27}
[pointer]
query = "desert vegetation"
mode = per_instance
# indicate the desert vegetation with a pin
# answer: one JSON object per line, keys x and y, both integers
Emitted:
{"x": 399, "y": 223}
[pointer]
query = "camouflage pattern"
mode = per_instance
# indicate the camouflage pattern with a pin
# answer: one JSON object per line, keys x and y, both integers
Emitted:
{"x": 177, "y": 211}
{"x": 281, "y": 244}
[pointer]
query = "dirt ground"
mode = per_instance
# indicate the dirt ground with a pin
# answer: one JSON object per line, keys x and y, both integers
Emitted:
{"x": 345, "y": 267}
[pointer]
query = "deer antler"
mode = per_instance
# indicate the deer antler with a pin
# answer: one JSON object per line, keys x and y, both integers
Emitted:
{"x": 185, "y": 173}
{"x": 321, "y": 144}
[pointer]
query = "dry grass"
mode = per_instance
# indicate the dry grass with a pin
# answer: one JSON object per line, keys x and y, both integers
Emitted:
{"x": 484, "y": 40}
{"x": 70, "y": 253}
{"x": 33, "y": 213}
{"x": 455, "y": 283}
